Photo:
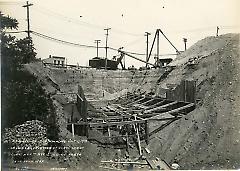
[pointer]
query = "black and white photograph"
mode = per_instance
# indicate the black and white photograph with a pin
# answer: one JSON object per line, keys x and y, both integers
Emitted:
{"x": 120, "y": 85}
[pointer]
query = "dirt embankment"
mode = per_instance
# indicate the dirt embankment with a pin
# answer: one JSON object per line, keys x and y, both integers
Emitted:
{"x": 208, "y": 137}
{"x": 95, "y": 83}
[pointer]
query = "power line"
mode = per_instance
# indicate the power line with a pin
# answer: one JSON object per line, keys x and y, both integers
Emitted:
{"x": 10, "y": 3}
{"x": 84, "y": 45}
{"x": 15, "y": 32}
{"x": 133, "y": 42}
{"x": 63, "y": 41}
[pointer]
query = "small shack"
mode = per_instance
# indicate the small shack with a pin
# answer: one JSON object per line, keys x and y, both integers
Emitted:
{"x": 55, "y": 60}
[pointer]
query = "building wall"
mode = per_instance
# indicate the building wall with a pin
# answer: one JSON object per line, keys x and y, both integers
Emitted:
{"x": 55, "y": 61}
{"x": 58, "y": 61}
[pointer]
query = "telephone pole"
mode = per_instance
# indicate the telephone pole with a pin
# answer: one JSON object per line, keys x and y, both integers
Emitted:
{"x": 107, "y": 29}
{"x": 28, "y": 20}
{"x": 97, "y": 41}
{"x": 147, "y": 34}
{"x": 217, "y": 31}
{"x": 185, "y": 43}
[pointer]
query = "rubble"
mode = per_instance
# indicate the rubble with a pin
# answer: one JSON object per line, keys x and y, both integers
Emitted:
{"x": 31, "y": 131}
{"x": 25, "y": 140}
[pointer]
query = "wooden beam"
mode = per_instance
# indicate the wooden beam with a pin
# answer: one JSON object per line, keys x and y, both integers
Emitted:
{"x": 131, "y": 100}
{"x": 73, "y": 130}
{"x": 127, "y": 142}
{"x": 138, "y": 137}
{"x": 135, "y": 101}
{"x": 148, "y": 101}
{"x": 112, "y": 109}
{"x": 135, "y": 110}
{"x": 80, "y": 97}
{"x": 140, "y": 102}
{"x": 123, "y": 108}
{"x": 172, "y": 112}
{"x": 112, "y": 117}
{"x": 151, "y": 164}
{"x": 109, "y": 133}
{"x": 125, "y": 97}
{"x": 161, "y": 107}
{"x": 156, "y": 104}
{"x": 111, "y": 123}
{"x": 147, "y": 132}
{"x": 164, "y": 119}
{"x": 128, "y": 98}
{"x": 113, "y": 136}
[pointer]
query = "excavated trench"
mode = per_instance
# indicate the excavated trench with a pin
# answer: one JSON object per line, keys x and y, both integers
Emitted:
{"x": 201, "y": 134}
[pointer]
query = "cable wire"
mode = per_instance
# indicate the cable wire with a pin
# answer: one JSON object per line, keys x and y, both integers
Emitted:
{"x": 15, "y": 32}
{"x": 84, "y": 45}
{"x": 63, "y": 41}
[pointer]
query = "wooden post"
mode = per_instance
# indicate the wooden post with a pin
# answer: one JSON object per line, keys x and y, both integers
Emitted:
{"x": 73, "y": 130}
{"x": 146, "y": 132}
{"x": 138, "y": 137}
{"x": 72, "y": 113}
{"x": 86, "y": 130}
{"x": 127, "y": 141}
{"x": 109, "y": 133}
{"x": 217, "y": 31}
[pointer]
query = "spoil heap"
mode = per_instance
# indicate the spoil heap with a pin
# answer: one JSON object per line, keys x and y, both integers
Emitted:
{"x": 29, "y": 131}
{"x": 208, "y": 137}
{"x": 25, "y": 141}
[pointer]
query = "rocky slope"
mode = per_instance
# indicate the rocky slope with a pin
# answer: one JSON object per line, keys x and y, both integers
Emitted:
{"x": 208, "y": 137}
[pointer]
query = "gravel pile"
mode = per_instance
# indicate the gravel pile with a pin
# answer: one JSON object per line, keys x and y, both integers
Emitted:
{"x": 25, "y": 139}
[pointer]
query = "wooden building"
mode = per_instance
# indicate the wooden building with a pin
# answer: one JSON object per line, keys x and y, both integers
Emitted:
{"x": 55, "y": 60}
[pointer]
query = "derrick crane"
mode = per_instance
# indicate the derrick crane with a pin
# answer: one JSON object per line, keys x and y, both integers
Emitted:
{"x": 123, "y": 53}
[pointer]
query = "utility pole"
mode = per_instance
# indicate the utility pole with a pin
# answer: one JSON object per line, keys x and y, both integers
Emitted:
{"x": 28, "y": 20}
{"x": 217, "y": 31}
{"x": 147, "y": 34}
{"x": 97, "y": 41}
{"x": 107, "y": 29}
{"x": 185, "y": 43}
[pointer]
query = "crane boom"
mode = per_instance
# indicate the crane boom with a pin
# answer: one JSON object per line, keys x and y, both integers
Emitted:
{"x": 124, "y": 53}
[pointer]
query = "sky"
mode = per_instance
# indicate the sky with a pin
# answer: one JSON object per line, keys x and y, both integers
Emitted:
{"x": 83, "y": 22}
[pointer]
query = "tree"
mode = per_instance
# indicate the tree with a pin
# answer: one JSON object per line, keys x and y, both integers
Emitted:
{"x": 23, "y": 98}
{"x": 14, "y": 52}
